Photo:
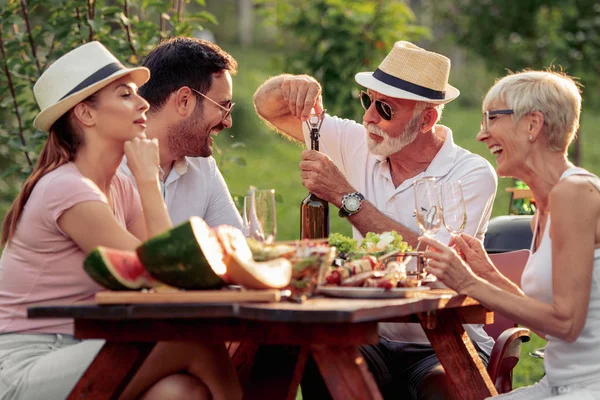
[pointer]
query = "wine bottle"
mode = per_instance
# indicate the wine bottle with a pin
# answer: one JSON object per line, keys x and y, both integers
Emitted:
{"x": 314, "y": 211}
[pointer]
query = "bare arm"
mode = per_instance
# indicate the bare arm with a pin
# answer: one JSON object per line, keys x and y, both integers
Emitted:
{"x": 91, "y": 224}
{"x": 575, "y": 211}
{"x": 285, "y": 101}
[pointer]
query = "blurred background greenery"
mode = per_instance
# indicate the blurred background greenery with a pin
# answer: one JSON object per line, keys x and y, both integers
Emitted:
{"x": 329, "y": 39}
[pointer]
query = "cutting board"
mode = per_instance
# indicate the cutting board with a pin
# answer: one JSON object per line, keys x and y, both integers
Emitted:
{"x": 188, "y": 296}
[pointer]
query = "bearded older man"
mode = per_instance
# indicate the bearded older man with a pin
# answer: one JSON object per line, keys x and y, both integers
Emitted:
{"x": 375, "y": 164}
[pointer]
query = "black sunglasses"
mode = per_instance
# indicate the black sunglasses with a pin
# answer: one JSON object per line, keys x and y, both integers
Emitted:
{"x": 385, "y": 110}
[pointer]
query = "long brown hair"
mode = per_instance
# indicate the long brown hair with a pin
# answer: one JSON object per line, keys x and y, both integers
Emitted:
{"x": 61, "y": 147}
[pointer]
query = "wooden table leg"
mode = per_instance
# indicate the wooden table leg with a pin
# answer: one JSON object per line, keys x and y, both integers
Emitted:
{"x": 276, "y": 373}
{"x": 345, "y": 373}
{"x": 111, "y": 370}
{"x": 242, "y": 356}
{"x": 458, "y": 355}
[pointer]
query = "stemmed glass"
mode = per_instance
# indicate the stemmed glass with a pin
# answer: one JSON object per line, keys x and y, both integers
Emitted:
{"x": 427, "y": 210}
{"x": 259, "y": 215}
{"x": 454, "y": 212}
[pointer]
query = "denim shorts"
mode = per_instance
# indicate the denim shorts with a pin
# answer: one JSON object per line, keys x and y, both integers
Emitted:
{"x": 42, "y": 366}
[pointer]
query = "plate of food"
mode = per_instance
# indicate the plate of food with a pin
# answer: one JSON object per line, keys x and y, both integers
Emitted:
{"x": 369, "y": 292}
{"x": 377, "y": 268}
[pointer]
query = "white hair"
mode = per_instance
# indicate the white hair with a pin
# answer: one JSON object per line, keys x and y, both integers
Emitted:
{"x": 555, "y": 94}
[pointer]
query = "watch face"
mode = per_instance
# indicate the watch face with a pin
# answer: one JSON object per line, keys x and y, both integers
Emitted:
{"x": 352, "y": 203}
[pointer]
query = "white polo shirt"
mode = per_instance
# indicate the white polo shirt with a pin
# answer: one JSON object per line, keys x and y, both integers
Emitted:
{"x": 195, "y": 187}
{"x": 344, "y": 141}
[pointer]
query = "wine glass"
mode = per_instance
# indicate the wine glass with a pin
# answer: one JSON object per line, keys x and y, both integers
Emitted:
{"x": 245, "y": 215}
{"x": 260, "y": 213}
{"x": 454, "y": 212}
{"x": 427, "y": 210}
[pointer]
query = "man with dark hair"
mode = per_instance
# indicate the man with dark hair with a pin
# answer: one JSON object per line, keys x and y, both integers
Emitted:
{"x": 190, "y": 92}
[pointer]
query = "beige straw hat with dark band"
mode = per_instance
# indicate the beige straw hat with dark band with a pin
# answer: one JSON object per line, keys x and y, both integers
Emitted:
{"x": 410, "y": 72}
{"x": 74, "y": 77}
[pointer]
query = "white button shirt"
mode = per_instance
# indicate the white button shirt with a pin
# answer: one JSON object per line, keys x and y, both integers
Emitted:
{"x": 195, "y": 187}
{"x": 344, "y": 141}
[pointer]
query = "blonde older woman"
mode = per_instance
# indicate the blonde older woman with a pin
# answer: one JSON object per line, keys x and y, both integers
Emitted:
{"x": 529, "y": 120}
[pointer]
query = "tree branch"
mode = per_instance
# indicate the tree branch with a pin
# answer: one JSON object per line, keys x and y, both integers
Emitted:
{"x": 127, "y": 27}
{"x": 91, "y": 10}
{"x": 28, "y": 26}
{"x": 11, "y": 88}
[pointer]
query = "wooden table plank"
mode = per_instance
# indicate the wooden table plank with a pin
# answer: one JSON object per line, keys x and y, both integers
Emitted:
{"x": 317, "y": 310}
{"x": 224, "y": 330}
{"x": 111, "y": 370}
{"x": 457, "y": 355}
{"x": 345, "y": 373}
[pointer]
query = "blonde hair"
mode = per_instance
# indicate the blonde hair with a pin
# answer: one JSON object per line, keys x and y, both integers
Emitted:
{"x": 555, "y": 94}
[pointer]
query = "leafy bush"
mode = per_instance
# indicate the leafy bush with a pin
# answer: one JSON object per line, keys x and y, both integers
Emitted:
{"x": 334, "y": 39}
{"x": 34, "y": 33}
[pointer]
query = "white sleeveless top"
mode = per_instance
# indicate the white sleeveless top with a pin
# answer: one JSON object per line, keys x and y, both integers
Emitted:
{"x": 566, "y": 363}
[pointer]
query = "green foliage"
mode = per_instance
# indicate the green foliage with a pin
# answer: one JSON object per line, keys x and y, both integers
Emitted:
{"x": 332, "y": 40}
{"x": 35, "y": 33}
{"x": 514, "y": 34}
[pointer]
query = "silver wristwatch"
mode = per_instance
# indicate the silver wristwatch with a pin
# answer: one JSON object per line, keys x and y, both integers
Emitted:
{"x": 351, "y": 204}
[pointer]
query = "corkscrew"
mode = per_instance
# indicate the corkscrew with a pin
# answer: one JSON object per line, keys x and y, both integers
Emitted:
{"x": 314, "y": 123}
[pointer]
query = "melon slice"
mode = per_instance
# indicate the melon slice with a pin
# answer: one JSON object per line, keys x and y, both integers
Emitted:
{"x": 188, "y": 256}
{"x": 243, "y": 270}
{"x": 117, "y": 269}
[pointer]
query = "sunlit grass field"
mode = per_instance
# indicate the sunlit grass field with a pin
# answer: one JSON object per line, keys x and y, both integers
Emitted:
{"x": 272, "y": 162}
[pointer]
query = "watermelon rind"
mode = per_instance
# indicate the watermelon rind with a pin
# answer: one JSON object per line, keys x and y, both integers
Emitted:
{"x": 99, "y": 268}
{"x": 188, "y": 256}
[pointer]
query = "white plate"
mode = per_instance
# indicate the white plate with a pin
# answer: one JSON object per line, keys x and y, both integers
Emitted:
{"x": 369, "y": 293}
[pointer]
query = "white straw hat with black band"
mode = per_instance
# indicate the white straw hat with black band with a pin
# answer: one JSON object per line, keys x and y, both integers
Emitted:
{"x": 412, "y": 73}
{"x": 74, "y": 77}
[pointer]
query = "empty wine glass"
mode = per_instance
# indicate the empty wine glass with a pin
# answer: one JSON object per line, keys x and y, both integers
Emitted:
{"x": 427, "y": 210}
{"x": 260, "y": 213}
{"x": 454, "y": 212}
{"x": 245, "y": 215}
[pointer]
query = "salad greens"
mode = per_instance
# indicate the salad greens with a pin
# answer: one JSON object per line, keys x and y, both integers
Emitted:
{"x": 386, "y": 242}
{"x": 343, "y": 244}
{"x": 373, "y": 243}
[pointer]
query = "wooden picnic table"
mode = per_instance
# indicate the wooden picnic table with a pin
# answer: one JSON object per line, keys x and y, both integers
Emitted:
{"x": 284, "y": 335}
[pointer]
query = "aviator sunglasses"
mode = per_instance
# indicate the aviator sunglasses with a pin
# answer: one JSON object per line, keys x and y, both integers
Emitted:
{"x": 385, "y": 110}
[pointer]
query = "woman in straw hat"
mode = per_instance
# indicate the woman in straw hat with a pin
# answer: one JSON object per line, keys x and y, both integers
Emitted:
{"x": 529, "y": 120}
{"x": 74, "y": 201}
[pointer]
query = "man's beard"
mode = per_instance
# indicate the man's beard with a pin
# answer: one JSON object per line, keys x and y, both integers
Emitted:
{"x": 391, "y": 145}
{"x": 191, "y": 138}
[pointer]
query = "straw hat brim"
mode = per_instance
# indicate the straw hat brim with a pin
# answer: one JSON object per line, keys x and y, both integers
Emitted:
{"x": 367, "y": 80}
{"x": 44, "y": 120}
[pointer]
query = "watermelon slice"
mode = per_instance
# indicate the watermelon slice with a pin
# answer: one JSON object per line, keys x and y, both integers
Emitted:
{"x": 243, "y": 270}
{"x": 117, "y": 269}
{"x": 188, "y": 256}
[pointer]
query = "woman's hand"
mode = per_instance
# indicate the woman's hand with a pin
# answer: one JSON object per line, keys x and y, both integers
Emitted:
{"x": 142, "y": 159}
{"x": 447, "y": 266}
{"x": 471, "y": 250}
